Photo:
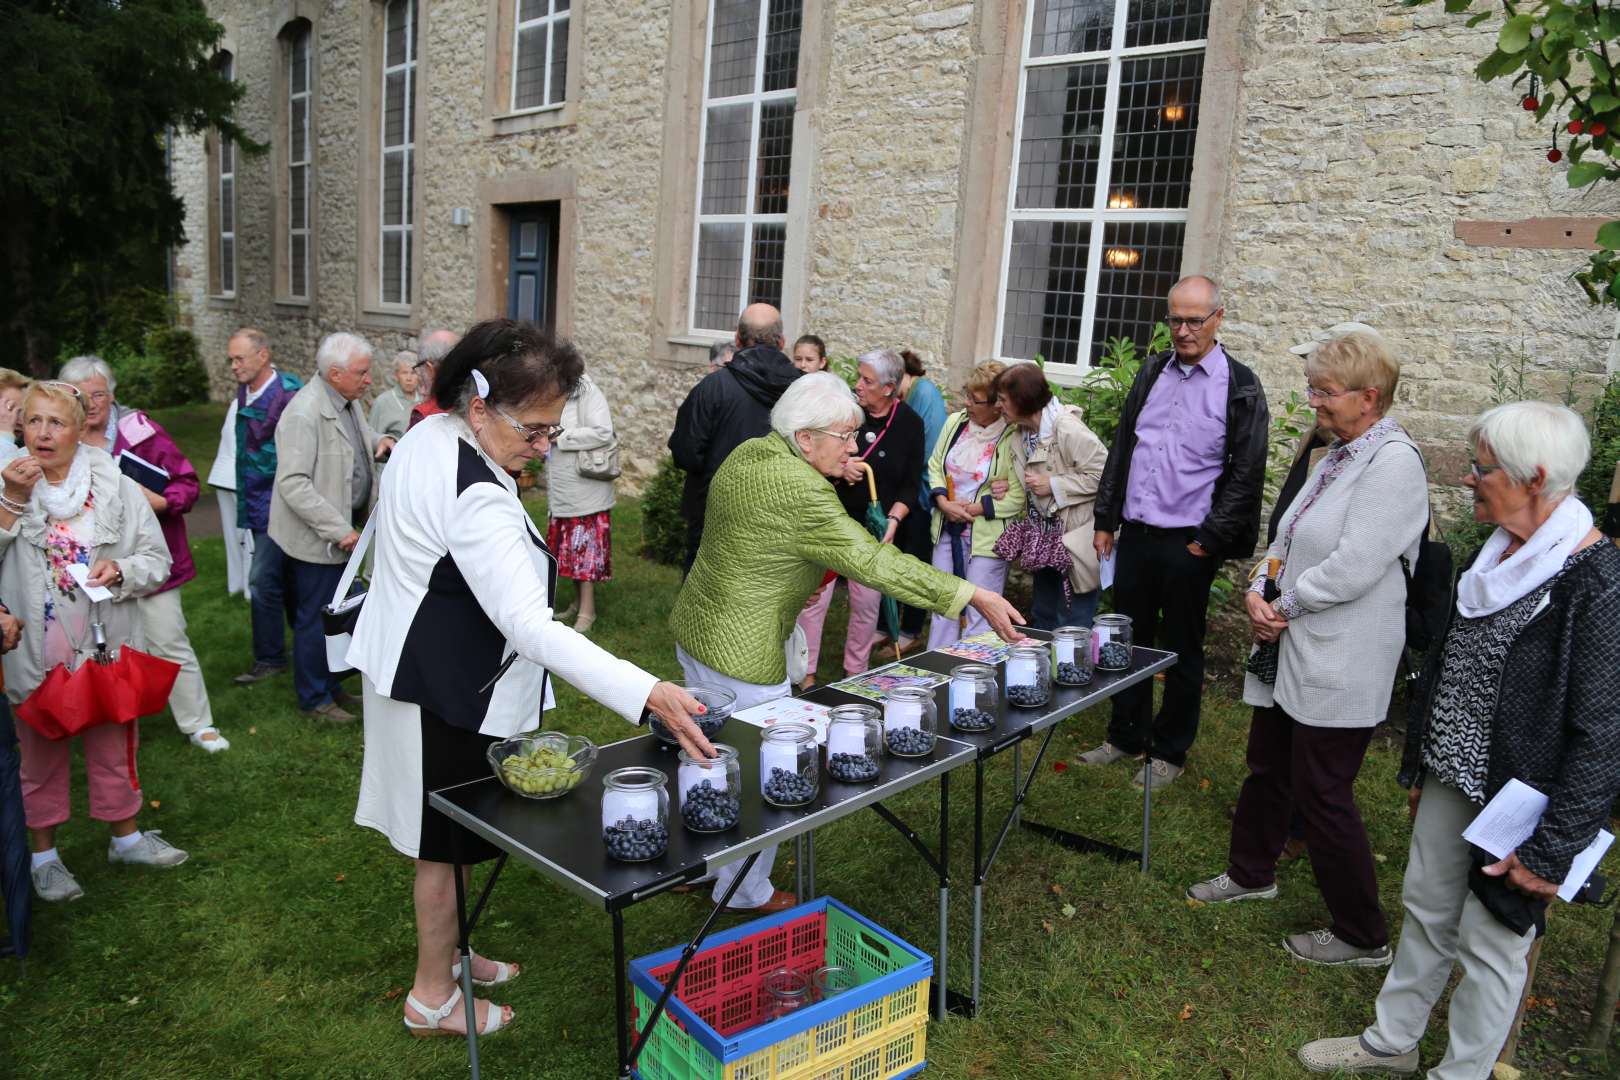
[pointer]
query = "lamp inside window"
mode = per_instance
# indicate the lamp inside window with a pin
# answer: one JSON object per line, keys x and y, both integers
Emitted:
{"x": 1120, "y": 258}
{"x": 1121, "y": 200}
{"x": 1174, "y": 112}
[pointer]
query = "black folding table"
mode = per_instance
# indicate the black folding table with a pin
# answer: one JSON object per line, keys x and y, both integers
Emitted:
{"x": 1013, "y": 726}
{"x": 561, "y": 838}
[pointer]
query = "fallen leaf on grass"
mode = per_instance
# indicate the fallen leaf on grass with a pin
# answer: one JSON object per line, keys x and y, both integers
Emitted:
{"x": 136, "y": 1000}
{"x": 1194, "y": 904}
{"x": 253, "y": 730}
{"x": 1187, "y": 1011}
{"x": 155, "y": 803}
{"x": 394, "y": 993}
{"x": 1060, "y": 766}
{"x": 1046, "y": 924}
{"x": 1378, "y": 857}
{"x": 1068, "y": 911}
{"x": 1055, "y": 889}
{"x": 1204, "y": 785}
{"x": 338, "y": 878}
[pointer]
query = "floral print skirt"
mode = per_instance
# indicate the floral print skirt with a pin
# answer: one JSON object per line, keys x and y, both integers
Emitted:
{"x": 583, "y": 546}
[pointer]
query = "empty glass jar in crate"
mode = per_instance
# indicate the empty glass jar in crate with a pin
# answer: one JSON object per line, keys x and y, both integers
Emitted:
{"x": 1029, "y": 674}
{"x": 786, "y": 991}
{"x": 973, "y": 697}
{"x": 710, "y": 790}
{"x": 1071, "y": 655}
{"x": 635, "y": 813}
{"x": 832, "y": 980}
{"x": 789, "y": 774}
{"x": 854, "y": 744}
{"x": 910, "y": 720}
{"x": 1111, "y": 642}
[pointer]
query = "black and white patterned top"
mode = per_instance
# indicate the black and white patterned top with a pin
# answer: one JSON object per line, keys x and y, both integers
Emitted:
{"x": 1457, "y": 750}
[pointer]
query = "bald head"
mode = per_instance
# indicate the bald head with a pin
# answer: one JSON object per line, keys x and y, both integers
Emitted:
{"x": 1198, "y": 290}
{"x": 1195, "y": 315}
{"x": 760, "y": 324}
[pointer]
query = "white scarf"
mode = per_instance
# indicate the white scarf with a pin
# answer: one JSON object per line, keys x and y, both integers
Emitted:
{"x": 63, "y": 501}
{"x": 1491, "y": 585}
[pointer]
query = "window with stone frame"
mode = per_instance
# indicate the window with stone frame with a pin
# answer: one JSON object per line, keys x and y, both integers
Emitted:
{"x": 1106, "y": 122}
{"x": 750, "y": 90}
{"x": 222, "y": 200}
{"x": 299, "y": 160}
{"x": 539, "y": 54}
{"x": 397, "y": 130}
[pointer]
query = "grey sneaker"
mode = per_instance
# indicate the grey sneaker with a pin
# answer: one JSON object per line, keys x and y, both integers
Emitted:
{"x": 1348, "y": 1055}
{"x": 1164, "y": 774}
{"x": 258, "y": 673}
{"x": 1321, "y": 947}
{"x": 150, "y": 850}
{"x": 53, "y": 882}
{"x": 1221, "y": 889}
{"x": 331, "y": 712}
{"x": 1106, "y": 754}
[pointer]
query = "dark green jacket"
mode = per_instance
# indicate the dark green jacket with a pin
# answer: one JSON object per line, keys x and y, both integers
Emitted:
{"x": 773, "y": 525}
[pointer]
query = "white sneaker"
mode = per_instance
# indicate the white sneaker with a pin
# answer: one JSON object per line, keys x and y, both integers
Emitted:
{"x": 53, "y": 882}
{"x": 1162, "y": 772}
{"x": 1221, "y": 889}
{"x": 1106, "y": 754}
{"x": 150, "y": 850}
{"x": 213, "y": 745}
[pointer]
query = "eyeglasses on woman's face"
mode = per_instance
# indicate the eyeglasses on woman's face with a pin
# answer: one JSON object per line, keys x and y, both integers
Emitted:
{"x": 549, "y": 432}
{"x": 1480, "y": 471}
{"x": 841, "y": 436}
{"x": 1313, "y": 393}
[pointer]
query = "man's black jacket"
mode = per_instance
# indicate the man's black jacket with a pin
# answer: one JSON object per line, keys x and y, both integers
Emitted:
{"x": 727, "y": 408}
{"x": 1232, "y": 527}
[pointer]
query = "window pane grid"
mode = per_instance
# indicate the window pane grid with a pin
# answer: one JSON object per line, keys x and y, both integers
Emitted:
{"x": 1103, "y": 172}
{"x": 298, "y": 164}
{"x": 539, "y": 54}
{"x": 746, "y": 165}
{"x": 226, "y": 194}
{"x": 398, "y": 144}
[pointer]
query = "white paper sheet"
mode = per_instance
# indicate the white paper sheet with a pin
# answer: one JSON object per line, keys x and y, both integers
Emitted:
{"x": 1581, "y": 867}
{"x": 846, "y": 739}
{"x": 777, "y": 756}
{"x": 899, "y": 714}
{"x": 1020, "y": 672}
{"x": 693, "y": 776}
{"x": 1105, "y": 568}
{"x": 1065, "y": 650}
{"x": 787, "y": 710}
{"x": 1508, "y": 820}
{"x": 638, "y": 805}
{"x": 964, "y": 694}
{"x": 81, "y": 574}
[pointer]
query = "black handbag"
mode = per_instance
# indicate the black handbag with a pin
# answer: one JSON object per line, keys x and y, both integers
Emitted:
{"x": 339, "y": 618}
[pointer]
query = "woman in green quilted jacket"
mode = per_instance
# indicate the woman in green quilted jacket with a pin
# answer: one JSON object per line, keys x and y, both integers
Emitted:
{"x": 773, "y": 526}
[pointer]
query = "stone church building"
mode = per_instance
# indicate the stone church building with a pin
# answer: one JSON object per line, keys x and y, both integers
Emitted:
{"x": 994, "y": 178}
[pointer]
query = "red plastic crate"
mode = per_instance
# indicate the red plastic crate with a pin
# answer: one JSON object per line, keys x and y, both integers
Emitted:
{"x": 726, "y": 986}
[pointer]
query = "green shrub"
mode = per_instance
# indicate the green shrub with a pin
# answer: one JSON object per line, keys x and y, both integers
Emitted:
{"x": 1595, "y": 482}
{"x": 168, "y": 372}
{"x": 663, "y": 529}
{"x": 1102, "y": 391}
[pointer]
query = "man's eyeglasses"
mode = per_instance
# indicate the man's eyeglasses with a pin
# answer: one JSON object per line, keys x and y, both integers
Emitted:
{"x": 549, "y": 432}
{"x": 1177, "y": 322}
{"x": 841, "y": 436}
{"x": 1481, "y": 471}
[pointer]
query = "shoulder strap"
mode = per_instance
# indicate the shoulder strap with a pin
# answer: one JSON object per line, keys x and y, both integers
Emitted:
{"x": 355, "y": 558}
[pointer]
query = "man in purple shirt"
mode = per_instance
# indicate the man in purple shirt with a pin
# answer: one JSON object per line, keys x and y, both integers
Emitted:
{"x": 1181, "y": 490}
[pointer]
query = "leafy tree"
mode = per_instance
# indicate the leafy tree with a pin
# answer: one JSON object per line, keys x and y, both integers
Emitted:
{"x": 90, "y": 87}
{"x": 1558, "y": 53}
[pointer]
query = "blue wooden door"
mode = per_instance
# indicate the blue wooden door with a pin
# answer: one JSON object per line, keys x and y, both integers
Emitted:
{"x": 532, "y": 265}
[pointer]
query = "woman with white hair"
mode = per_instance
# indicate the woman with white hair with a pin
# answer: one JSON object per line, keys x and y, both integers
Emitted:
{"x": 890, "y": 441}
{"x": 171, "y": 490}
{"x": 1525, "y": 685}
{"x": 391, "y": 411}
{"x": 774, "y": 525}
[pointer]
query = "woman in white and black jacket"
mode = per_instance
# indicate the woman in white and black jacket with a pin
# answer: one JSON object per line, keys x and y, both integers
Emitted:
{"x": 457, "y": 641}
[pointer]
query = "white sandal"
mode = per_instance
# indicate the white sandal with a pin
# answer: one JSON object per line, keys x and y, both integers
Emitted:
{"x": 504, "y": 973}
{"x": 494, "y": 1019}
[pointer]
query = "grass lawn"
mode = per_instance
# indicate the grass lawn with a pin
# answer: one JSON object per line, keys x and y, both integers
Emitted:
{"x": 284, "y": 946}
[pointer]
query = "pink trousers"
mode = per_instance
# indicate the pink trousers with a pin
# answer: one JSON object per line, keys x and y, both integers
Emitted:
{"x": 45, "y": 766}
{"x": 863, "y": 618}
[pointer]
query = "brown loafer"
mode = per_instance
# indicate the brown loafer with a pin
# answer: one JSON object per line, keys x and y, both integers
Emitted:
{"x": 780, "y": 901}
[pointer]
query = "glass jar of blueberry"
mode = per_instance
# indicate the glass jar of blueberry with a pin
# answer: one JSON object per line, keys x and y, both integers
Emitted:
{"x": 1071, "y": 655}
{"x": 789, "y": 772}
{"x": 910, "y": 720}
{"x": 635, "y": 813}
{"x": 1111, "y": 642}
{"x": 1029, "y": 675}
{"x": 973, "y": 697}
{"x": 710, "y": 790}
{"x": 854, "y": 744}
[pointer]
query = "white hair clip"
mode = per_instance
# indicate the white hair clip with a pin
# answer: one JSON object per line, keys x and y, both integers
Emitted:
{"x": 480, "y": 383}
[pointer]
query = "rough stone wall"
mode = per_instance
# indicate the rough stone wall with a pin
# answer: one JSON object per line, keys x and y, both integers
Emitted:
{"x": 1364, "y": 137}
{"x": 884, "y": 224}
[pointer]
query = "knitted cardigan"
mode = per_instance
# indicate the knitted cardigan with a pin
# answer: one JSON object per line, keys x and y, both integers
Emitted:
{"x": 1556, "y": 725}
{"x": 773, "y": 523}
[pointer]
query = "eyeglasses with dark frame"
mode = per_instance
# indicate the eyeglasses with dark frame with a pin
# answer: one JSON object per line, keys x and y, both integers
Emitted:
{"x": 1480, "y": 472}
{"x": 1176, "y": 322}
{"x": 549, "y": 432}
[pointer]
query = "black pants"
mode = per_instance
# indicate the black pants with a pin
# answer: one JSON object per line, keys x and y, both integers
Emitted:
{"x": 915, "y": 539}
{"x": 1164, "y": 588}
{"x": 1312, "y": 771}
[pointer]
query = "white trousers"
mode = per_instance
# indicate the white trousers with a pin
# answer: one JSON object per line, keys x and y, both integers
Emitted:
{"x": 238, "y": 547}
{"x": 163, "y": 622}
{"x": 756, "y": 888}
{"x": 1446, "y": 924}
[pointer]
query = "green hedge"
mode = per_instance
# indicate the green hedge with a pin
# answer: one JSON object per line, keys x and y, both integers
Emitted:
{"x": 663, "y": 529}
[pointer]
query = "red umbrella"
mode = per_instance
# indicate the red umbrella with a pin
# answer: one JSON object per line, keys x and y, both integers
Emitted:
{"x": 104, "y": 690}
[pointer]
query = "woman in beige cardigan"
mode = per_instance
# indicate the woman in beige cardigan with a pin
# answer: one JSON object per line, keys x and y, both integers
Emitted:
{"x": 1061, "y": 462}
{"x": 1339, "y": 624}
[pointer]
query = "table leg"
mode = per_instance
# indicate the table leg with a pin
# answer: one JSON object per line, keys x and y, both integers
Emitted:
{"x": 943, "y": 967}
{"x": 620, "y": 993}
{"x": 809, "y": 865}
{"x": 463, "y": 933}
{"x": 1017, "y": 776}
{"x": 978, "y": 880}
{"x": 1147, "y": 803}
{"x": 798, "y": 867}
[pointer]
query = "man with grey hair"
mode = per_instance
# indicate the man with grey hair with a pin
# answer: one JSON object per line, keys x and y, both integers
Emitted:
{"x": 431, "y": 349}
{"x": 325, "y": 458}
{"x": 720, "y": 354}
{"x": 1181, "y": 489}
{"x": 730, "y": 406}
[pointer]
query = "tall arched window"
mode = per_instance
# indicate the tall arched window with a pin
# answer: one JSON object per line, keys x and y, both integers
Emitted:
{"x": 397, "y": 133}
{"x": 222, "y": 200}
{"x": 299, "y": 158}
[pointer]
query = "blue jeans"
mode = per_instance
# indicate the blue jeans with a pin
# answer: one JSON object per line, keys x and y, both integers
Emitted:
{"x": 312, "y": 587}
{"x": 268, "y": 584}
{"x": 1050, "y": 610}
